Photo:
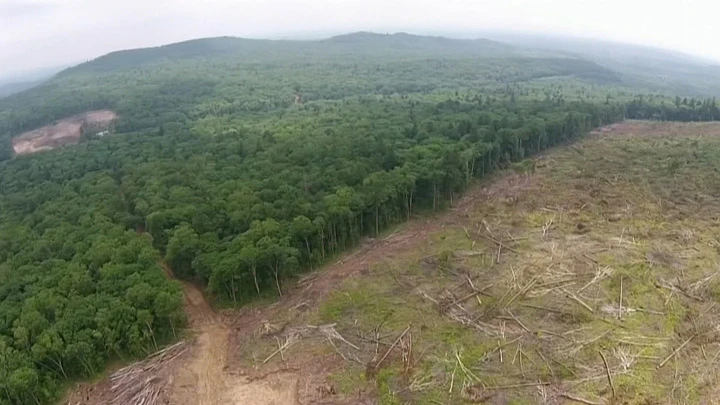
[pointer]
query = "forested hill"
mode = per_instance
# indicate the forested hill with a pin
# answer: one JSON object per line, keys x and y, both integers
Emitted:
{"x": 15, "y": 83}
{"x": 257, "y": 50}
{"x": 184, "y": 81}
{"x": 242, "y": 163}
{"x": 7, "y": 89}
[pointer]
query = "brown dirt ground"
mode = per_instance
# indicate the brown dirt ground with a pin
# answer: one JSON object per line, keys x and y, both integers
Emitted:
{"x": 63, "y": 132}
{"x": 213, "y": 372}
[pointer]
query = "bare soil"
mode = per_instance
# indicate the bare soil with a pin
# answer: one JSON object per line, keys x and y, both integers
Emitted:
{"x": 63, "y": 132}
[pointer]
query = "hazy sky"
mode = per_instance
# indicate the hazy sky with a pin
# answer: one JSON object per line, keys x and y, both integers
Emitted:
{"x": 40, "y": 33}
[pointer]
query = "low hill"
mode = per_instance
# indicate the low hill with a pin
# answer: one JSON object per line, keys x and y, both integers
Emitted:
{"x": 404, "y": 42}
{"x": 266, "y": 50}
{"x": 16, "y": 87}
{"x": 18, "y": 82}
{"x": 205, "y": 48}
{"x": 643, "y": 66}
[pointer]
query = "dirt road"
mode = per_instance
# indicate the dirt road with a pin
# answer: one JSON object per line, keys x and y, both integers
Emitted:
{"x": 201, "y": 379}
{"x": 204, "y": 378}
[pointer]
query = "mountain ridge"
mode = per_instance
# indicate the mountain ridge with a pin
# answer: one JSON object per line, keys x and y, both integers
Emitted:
{"x": 229, "y": 45}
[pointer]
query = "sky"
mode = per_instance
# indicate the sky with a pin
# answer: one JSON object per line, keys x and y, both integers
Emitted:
{"x": 45, "y": 33}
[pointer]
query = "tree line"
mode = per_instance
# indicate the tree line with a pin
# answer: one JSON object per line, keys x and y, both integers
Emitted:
{"x": 286, "y": 222}
{"x": 682, "y": 109}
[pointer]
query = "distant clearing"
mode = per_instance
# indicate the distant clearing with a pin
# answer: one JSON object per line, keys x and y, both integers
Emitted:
{"x": 64, "y": 132}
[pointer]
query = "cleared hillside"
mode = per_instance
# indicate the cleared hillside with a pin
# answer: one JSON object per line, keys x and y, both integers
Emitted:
{"x": 586, "y": 276}
{"x": 64, "y": 132}
{"x": 600, "y": 260}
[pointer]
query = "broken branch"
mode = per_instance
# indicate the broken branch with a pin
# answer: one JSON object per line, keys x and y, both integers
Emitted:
{"x": 497, "y": 242}
{"x": 578, "y": 399}
{"x": 609, "y": 376}
{"x": 387, "y": 353}
{"x": 676, "y": 351}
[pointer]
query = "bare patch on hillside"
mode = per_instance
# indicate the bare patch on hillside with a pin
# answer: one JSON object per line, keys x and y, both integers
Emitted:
{"x": 63, "y": 132}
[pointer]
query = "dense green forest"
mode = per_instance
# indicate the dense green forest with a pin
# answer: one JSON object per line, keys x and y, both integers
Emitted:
{"x": 242, "y": 163}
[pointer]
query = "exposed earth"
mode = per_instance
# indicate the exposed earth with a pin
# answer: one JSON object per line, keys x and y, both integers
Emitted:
{"x": 63, "y": 132}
